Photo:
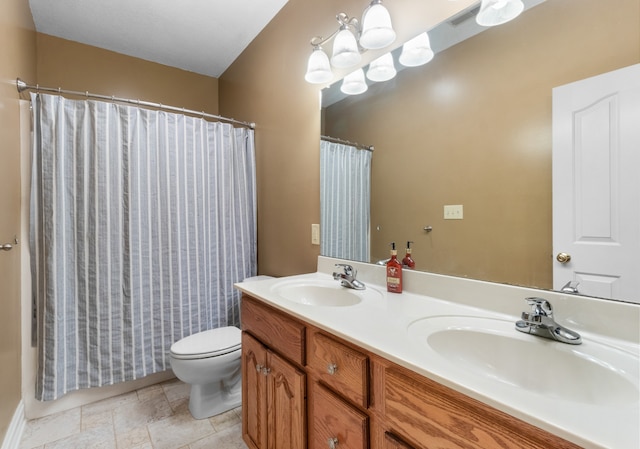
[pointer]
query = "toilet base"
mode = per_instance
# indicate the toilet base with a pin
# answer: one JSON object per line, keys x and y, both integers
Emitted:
{"x": 210, "y": 400}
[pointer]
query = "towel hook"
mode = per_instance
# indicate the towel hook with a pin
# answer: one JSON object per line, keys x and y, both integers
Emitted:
{"x": 9, "y": 246}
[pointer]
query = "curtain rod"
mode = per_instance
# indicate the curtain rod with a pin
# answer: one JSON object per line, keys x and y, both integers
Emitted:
{"x": 22, "y": 86}
{"x": 346, "y": 142}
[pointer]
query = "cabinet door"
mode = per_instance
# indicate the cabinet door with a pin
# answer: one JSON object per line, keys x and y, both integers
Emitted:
{"x": 286, "y": 401}
{"x": 254, "y": 393}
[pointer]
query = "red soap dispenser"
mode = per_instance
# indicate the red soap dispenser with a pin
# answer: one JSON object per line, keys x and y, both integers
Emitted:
{"x": 394, "y": 272}
{"x": 408, "y": 262}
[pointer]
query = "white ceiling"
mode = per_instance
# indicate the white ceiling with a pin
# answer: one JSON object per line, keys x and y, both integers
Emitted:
{"x": 202, "y": 36}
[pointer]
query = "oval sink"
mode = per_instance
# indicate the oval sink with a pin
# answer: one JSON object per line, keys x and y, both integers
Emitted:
{"x": 591, "y": 373}
{"x": 313, "y": 292}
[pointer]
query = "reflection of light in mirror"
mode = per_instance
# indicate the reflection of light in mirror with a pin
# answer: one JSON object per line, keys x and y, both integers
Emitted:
{"x": 416, "y": 51}
{"x": 497, "y": 12}
{"x": 354, "y": 83}
{"x": 381, "y": 69}
{"x": 445, "y": 90}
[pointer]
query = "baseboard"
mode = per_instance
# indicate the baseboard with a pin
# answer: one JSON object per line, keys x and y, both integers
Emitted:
{"x": 16, "y": 427}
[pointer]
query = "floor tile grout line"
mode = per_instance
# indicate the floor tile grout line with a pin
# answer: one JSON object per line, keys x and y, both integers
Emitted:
{"x": 84, "y": 418}
{"x": 113, "y": 427}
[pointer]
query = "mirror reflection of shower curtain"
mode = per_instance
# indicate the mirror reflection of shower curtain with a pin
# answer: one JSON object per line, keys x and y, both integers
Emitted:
{"x": 141, "y": 221}
{"x": 345, "y": 196}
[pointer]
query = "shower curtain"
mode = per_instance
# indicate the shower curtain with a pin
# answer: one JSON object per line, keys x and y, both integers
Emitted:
{"x": 141, "y": 221}
{"x": 345, "y": 191}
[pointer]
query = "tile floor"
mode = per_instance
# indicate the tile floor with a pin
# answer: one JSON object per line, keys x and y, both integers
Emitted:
{"x": 156, "y": 417}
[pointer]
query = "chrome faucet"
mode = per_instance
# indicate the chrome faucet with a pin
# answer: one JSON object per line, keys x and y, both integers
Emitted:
{"x": 570, "y": 287}
{"x": 348, "y": 277}
{"x": 540, "y": 322}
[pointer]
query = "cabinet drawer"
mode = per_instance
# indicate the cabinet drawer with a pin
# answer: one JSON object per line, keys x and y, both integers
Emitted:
{"x": 430, "y": 415}
{"x": 336, "y": 424}
{"x": 342, "y": 368}
{"x": 276, "y": 330}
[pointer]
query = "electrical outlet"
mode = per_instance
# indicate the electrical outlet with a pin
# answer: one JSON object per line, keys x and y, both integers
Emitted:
{"x": 453, "y": 212}
{"x": 315, "y": 234}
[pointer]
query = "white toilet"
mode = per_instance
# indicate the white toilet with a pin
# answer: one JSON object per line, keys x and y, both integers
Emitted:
{"x": 210, "y": 362}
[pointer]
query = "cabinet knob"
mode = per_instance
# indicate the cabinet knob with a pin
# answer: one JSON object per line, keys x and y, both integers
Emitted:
{"x": 332, "y": 368}
{"x": 266, "y": 371}
{"x": 332, "y": 443}
{"x": 259, "y": 368}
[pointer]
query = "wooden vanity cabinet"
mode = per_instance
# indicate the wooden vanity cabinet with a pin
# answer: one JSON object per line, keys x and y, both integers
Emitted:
{"x": 339, "y": 393}
{"x": 356, "y": 399}
{"x": 334, "y": 423}
{"x": 273, "y": 388}
{"x": 419, "y": 413}
{"x": 341, "y": 367}
{"x": 393, "y": 442}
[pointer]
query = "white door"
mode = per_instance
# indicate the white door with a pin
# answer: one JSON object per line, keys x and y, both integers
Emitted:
{"x": 596, "y": 185}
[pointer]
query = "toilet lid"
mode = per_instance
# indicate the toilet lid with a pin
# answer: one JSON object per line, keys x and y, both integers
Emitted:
{"x": 209, "y": 343}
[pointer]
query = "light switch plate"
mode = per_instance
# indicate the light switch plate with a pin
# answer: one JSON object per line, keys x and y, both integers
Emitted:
{"x": 453, "y": 212}
{"x": 315, "y": 234}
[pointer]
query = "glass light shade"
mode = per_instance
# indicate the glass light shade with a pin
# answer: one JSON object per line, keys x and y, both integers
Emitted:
{"x": 381, "y": 69}
{"x": 497, "y": 12}
{"x": 377, "y": 31}
{"x": 345, "y": 50}
{"x": 318, "y": 68}
{"x": 417, "y": 51}
{"x": 354, "y": 83}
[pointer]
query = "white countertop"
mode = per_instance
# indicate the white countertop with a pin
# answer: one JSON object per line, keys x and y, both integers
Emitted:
{"x": 379, "y": 323}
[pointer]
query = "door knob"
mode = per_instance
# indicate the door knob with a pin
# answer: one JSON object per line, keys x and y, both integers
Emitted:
{"x": 563, "y": 257}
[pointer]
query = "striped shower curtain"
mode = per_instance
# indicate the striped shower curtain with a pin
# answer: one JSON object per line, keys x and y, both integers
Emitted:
{"x": 141, "y": 221}
{"x": 345, "y": 196}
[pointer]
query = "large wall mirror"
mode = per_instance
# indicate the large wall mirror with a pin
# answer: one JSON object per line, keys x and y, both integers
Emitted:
{"x": 473, "y": 128}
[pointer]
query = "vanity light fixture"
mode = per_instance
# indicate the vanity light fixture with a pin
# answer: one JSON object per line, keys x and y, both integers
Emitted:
{"x": 377, "y": 31}
{"x": 345, "y": 49}
{"x": 350, "y": 40}
{"x": 497, "y": 12}
{"x": 416, "y": 51}
{"x": 381, "y": 69}
{"x": 318, "y": 67}
{"x": 354, "y": 83}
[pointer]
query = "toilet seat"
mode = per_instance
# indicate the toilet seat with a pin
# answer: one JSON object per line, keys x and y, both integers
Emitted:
{"x": 211, "y": 343}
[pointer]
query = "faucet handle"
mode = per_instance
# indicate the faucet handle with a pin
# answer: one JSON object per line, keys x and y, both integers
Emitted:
{"x": 540, "y": 307}
{"x": 348, "y": 269}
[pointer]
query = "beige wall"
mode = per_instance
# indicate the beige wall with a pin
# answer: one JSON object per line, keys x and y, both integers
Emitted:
{"x": 17, "y": 58}
{"x": 473, "y": 127}
{"x": 79, "y": 67}
{"x": 266, "y": 85}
